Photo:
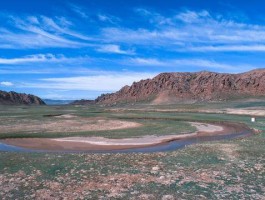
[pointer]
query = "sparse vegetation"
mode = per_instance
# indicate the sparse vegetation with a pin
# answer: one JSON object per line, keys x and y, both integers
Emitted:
{"x": 213, "y": 170}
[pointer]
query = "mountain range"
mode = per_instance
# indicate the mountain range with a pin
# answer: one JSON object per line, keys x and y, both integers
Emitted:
{"x": 187, "y": 86}
{"x": 170, "y": 88}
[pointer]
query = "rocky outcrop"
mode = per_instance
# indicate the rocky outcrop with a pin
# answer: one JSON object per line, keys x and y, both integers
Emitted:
{"x": 13, "y": 98}
{"x": 199, "y": 86}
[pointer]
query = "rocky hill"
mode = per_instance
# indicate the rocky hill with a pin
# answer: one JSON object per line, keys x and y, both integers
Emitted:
{"x": 13, "y": 98}
{"x": 198, "y": 86}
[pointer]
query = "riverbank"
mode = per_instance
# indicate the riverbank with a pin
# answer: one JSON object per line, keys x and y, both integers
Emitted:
{"x": 107, "y": 144}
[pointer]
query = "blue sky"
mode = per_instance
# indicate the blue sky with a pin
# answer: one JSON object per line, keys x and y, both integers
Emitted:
{"x": 61, "y": 49}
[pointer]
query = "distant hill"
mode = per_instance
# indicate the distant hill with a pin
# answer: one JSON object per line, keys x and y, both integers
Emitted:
{"x": 13, "y": 98}
{"x": 198, "y": 86}
{"x": 57, "y": 102}
{"x": 83, "y": 102}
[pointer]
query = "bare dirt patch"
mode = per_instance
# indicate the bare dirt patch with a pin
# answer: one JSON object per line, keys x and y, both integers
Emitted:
{"x": 145, "y": 140}
{"x": 209, "y": 128}
{"x": 66, "y": 116}
{"x": 252, "y": 111}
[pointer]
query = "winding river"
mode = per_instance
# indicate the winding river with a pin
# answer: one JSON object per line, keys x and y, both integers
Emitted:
{"x": 232, "y": 131}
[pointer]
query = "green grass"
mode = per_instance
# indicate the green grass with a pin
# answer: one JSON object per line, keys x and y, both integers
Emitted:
{"x": 227, "y": 178}
{"x": 149, "y": 127}
{"x": 153, "y": 122}
{"x": 230, "y": 169}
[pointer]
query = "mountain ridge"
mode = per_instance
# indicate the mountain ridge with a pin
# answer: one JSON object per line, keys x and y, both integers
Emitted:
{"x": 194, "y": 86}
{"x": 14, "y": 98}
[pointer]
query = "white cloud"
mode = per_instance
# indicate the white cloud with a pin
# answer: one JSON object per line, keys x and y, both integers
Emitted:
{"x": 103, "y": 18}
{"x": 37, "y": 58}
{"x": 192, "y": 17}
{"x": 6, "y": 83}
{"x": 186, "y": 63}
{"x": 188, "y": 31}
{"x": 50, "y": 69}
{"x": 144, "y": 12}
{"x": 79, "y": 10}
{"x": 33, "y": 19}
{"x": 223, "y": 48}
{"x": 41, "y": 32}
{"x": 182, "y": 31}
{"x": 149, "y": 62}
{"x": 154, "y": 17}
{"x": 50, "y": 24}
{"x": 108, "y": 18}
{"x": 114, "y": 49}
{"x": 35, "y": 41}
{"x": 109, "y": 81}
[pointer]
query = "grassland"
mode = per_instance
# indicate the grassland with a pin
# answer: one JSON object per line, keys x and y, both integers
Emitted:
{"x": 17, "y": 116}
{"x": 213, "y": 170}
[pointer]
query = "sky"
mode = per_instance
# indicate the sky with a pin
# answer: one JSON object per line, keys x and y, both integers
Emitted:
{"x": 79, "y": 49}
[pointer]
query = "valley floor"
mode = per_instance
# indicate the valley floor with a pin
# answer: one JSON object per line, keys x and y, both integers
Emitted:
{"x": 227, "y": 169}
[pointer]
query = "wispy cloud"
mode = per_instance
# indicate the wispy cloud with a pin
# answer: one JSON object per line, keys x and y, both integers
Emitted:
{"x": 110, "y": 81}
{"x": 50, "y": 24}
{"x": 6, "y": 83}
{"x": 110, "y": 48}
{"x": 223, "y": 48}
{"x": 40, "y": 32}
{"x": 183, "y": 31}
{"x": 108, "y": 18}
{"x": 192, "y": 16}
{"x": 190, "y": 63}
{"x": 149, "y": 62}
{"x": 154, "y": 17}
{"x": 188, "y": 30}
{"x": 37, "y": 58}
{"x": 79, "y": 10}
{"x": 47, "y": 70}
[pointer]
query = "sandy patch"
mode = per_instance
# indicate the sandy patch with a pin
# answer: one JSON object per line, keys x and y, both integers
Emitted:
{"x": 209, "y": 128}
{"x": 146, "y": 140}
{"x": 66, "y": 116}
{"x": 66, "y": 123}
{"x": 252, "y": 111}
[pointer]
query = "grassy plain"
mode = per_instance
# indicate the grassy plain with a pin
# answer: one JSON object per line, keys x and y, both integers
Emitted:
{"x": 232, "y": 169}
